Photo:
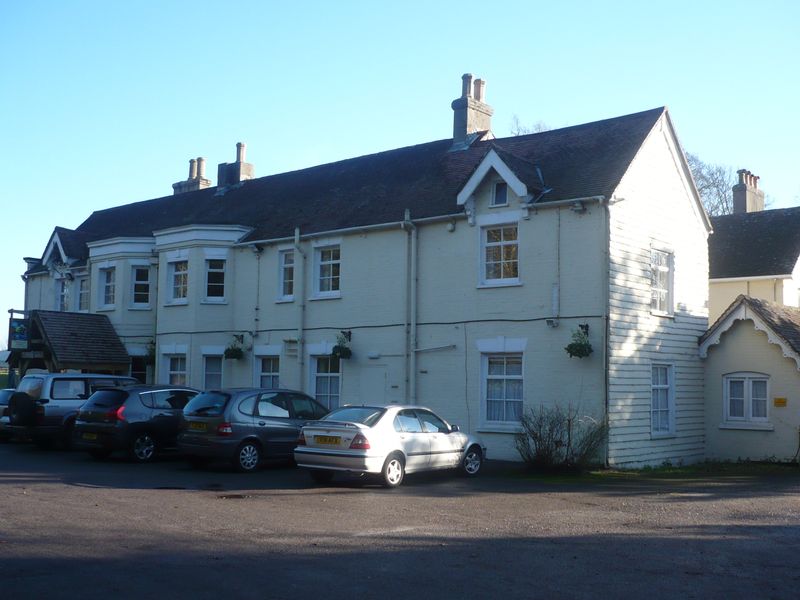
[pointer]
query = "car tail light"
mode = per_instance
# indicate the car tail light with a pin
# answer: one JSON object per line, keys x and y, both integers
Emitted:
{"x": 117, "y": 414}
{"x": 359, "y": 442}
{"x": 224, "y": 429}
{"x": 301, "y": 439}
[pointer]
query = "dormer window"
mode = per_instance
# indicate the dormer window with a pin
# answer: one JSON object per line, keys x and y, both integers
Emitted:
{"x": 500, "y": 194}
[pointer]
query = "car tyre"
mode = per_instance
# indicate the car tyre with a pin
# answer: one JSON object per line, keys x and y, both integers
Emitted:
{"x": 248, "y": 457}
{"x": 321, "y": 475}
{"x": 100, "y": 453}
{"x": 393, "y": 471}
{"x": 143, "y": 448}
{"x": 472, "y": 462}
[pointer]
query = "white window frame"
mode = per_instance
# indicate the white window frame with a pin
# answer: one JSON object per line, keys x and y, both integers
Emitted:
{"x": 63, "y": 295}
{"x": 657, "y": 306}
{"x": 669, "y": 386}
{"x": 273, "y": 376}
{"x": 135, "y": 282}
{"x": 285, "y": 267}
{"x": 747, "y": 378}
{"x": 325, "y": 399}
{"x": 174, "y": 287}
{"x": 176, "y": 376}
{"x": 493, "y": 202}
{"x": 208, "y": 271}
{"x": 486, "y": 358}
{"x": 219, "y": 374}
{"x": 107, "y": 298}
{"x": 485, "y": 245}
{"x": 83, "y": 294}
{"x": 336, "y": 265}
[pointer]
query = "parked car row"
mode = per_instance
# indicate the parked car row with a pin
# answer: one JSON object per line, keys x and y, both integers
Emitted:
{"x": 245, "y": 426}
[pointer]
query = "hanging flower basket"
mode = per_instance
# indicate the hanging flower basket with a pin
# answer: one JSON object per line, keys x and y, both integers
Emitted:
{"x": 580, "y": 346}
{"x": 234, "y": 353}
{"x": 341, "y": 351}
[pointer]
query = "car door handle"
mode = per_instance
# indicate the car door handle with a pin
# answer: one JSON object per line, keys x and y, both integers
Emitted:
{"x": 261, "y": 423}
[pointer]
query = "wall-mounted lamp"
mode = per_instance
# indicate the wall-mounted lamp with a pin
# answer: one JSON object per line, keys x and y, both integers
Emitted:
{"x": 552, "y": 323}
{"x": 584, "y": 327}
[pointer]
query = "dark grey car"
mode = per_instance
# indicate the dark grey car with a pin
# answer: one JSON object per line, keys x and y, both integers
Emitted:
{"x": 245, "y": 425}
{"x": 140, "y": 420}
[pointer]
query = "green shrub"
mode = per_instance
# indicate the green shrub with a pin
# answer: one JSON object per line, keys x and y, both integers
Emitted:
{"x": 557, "y": 439}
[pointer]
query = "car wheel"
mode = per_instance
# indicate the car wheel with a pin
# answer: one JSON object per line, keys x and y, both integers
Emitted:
{"x": 472, "y": 462}
{"x": 143, "y": 448}
{"x": 100, "y": 453}
{"x": 248, "y": 457}
{"x": 393, "y": 471}
{"x": 321, "y": 476}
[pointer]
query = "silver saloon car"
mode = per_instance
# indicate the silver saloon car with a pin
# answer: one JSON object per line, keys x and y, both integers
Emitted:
{"x": 388, "y": 441}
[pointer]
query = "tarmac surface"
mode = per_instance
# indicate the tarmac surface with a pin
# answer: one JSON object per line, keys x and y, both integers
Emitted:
{"x": 72, "y": 527}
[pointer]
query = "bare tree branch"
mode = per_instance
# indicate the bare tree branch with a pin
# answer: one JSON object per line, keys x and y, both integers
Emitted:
{"x": 714, "y": 184}
{"x": 518, "y": 128}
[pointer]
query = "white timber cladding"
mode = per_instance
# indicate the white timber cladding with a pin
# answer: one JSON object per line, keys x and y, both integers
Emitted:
{"x": 654, "y": 207}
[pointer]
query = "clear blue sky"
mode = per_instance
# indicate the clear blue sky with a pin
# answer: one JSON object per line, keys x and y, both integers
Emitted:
{"x": 103, "y": 103}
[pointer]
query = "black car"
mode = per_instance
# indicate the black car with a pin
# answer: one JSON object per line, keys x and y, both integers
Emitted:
{"x": 5, "y": 394}
{"x": 140, "y": 420}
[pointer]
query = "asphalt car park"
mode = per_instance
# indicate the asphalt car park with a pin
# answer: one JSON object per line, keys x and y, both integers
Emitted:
{"x": 71, "y": 527}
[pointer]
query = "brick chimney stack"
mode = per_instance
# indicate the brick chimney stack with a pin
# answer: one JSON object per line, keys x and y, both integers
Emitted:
{"x": 471, "y": 114}
{"x": 197, "y": 178}
{"x": 229, "y": 174}
{"x": 747, "y": 197}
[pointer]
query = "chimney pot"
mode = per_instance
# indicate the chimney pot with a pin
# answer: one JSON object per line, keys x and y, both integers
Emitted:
{"x": 241, "y": 147}
{"x": 746, "y": 195}
{"x": 466, "y": 85}
{"x": 480, "y": 88}
{"x": 201, "y": 167}
{"x": 192, "y": 169}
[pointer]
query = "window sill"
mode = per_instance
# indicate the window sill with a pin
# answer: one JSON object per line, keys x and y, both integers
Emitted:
{"x": 139, "y": 308}
{"x": 748, "y": 426}
{"x": 207, "y": 301}
{"x": 663, "y": 436}
{"x": 500, "y": 428}
{"x": 106, "y": 308}
{"x": 504, "y": 205}
{"x": 500, "y": 284}
{"x": 665, "y": 315}
{"x": 326, "y": 297}
{"x": 284, "y": 300}
{"x": 177, "y": 303}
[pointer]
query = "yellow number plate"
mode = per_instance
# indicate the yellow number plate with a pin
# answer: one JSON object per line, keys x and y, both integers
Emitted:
{"x": 90, "y": 436}
{"x": 197, "y": 426}
{"x": 327, "y": 440}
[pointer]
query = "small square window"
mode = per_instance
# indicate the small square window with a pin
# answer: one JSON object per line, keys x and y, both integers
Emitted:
{"x": 500, "y": 194}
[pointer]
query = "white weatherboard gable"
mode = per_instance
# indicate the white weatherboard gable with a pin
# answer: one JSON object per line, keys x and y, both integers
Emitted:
{"x": 742, "y": 313}
{"x": 54, "y": 246}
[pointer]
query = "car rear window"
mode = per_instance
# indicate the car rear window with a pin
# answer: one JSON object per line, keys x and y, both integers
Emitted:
{"x": 207, "y": 404}
{"x": 365, "y": 415}
{"x": 4, "y": 396}
{"x": 106, "y": 399}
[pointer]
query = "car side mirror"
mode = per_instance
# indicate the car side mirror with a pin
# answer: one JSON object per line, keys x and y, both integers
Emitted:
{"x": 454, "y": 428}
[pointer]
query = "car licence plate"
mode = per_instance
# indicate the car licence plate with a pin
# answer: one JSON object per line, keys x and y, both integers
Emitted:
{"x": 327, "y": 440}
{"x": 90, "y": 436}
{"x": 197, "y": 426}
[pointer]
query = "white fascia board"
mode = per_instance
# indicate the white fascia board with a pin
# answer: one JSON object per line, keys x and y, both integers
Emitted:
{"x": 758, "y": 278}
{"x": 200, "y": 233}
{"x": 489, "y": 162}
{"x": 743, "y": 312}
{"x": 54, "y": 245}
{"x": 121, "y": 245}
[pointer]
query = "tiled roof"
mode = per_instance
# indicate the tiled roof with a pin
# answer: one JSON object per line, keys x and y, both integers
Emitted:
{"x": 80, "y": 340}
{"x": 584, "y": 160}
{"x": 754, "y": 244}
{"x": 783, "y": 320}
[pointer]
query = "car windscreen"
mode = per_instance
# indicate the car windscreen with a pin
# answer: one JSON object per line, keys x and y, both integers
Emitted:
{"x": 31, "y": 386}
{"x": 366, "y": 415}
{"x": 207, "y": 404}
{"x": 105, "y": 399}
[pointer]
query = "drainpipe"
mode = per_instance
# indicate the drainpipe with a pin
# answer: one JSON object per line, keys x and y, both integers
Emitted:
{"x": 301, "y": 294}
{"x": 607, "y": 310}
{"x": 411, "y": 312}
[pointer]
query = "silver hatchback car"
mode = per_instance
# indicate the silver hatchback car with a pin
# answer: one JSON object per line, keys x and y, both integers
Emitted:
{"x": 389, "y": 441}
